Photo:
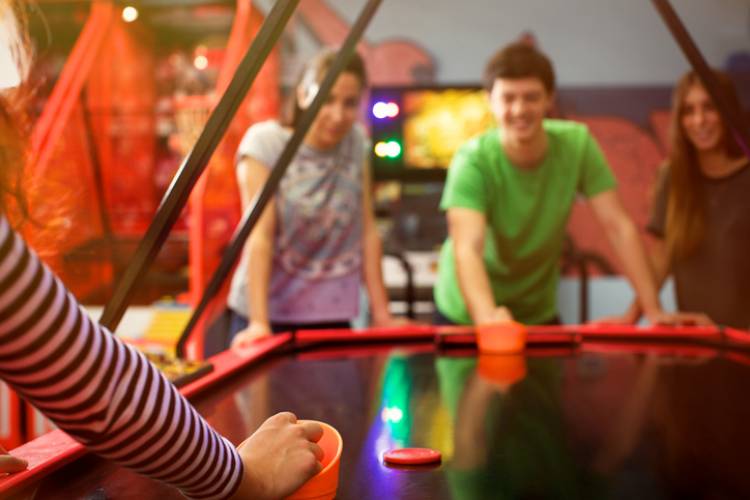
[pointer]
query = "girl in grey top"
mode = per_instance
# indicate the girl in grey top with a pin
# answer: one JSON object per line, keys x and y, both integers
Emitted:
{"x": 701, "y": 214}
{"x": 317, "y": 240}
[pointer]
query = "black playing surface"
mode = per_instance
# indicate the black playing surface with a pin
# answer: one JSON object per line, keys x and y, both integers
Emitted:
{"x": 591, "y": 425}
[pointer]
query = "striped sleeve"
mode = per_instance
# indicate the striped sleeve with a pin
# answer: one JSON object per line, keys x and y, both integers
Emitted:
{"x": 102, "y": 392}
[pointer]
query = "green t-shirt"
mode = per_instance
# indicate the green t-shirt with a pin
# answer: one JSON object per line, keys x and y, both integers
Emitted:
{"x": 526, "y": 211}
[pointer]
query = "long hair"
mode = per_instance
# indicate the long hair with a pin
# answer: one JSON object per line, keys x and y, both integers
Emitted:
{"x": 312, "y": 76}
{"x": 13, "y": 123}
{"x": 686, "y": 209}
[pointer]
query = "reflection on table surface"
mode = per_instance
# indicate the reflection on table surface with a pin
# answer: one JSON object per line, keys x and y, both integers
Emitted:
{"x": 612, "y": 425}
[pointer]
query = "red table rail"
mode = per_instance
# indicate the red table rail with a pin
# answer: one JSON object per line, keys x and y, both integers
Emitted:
{"x": 56, "y": 449}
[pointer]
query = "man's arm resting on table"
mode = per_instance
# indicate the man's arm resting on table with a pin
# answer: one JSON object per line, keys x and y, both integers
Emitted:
{"x": 467, "y": 229}
{"x": 623, "y": 236}
{"x": 659, "y": 262}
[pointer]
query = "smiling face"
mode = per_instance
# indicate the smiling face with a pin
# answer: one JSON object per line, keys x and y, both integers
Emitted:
{"x": 701, "y": 121}
{"x": 519, "y": 106}
{"x": 338, "y": 114}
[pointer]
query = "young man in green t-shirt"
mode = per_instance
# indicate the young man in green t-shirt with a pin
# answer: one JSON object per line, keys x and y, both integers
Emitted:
{"x": 508, "y": 196}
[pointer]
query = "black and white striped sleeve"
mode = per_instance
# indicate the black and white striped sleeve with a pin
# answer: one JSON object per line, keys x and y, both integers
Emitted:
{"x": 99, "y": 390}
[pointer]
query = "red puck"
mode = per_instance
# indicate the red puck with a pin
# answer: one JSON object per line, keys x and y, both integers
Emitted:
{"x": 412, "y": 456}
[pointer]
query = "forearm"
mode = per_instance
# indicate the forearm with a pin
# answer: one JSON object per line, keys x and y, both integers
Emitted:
{"x": 372, "y": 255}
{"x": 628, "y": 247}
{"x": 251, "y": 178}
{"x": 659, "y": 262}
{"x": 259, "y": 278}
{"x": 104, "y": 393}
{"x": 474, "y": 283}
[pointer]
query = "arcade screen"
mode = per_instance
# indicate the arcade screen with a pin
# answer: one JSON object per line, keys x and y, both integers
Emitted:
{"x": 419, "y": 129}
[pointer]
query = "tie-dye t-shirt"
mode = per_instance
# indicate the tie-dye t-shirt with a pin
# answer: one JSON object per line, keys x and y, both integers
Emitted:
{"x": 317, "y": 257}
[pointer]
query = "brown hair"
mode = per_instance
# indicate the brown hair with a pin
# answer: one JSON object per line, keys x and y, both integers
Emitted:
{"x": 519, "y": 60}
{"x": 686, "y": 209}
{"x": 313, "y": 73}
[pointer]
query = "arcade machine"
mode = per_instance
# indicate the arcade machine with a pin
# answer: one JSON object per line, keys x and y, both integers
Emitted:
{"x": 415, "y": 132}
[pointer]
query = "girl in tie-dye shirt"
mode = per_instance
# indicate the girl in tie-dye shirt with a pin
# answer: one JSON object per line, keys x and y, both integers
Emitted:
{"x": 317, "y": 240}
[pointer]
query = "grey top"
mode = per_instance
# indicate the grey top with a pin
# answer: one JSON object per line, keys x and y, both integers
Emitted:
{"x": 316, "y": 265}
{"x": 715, "y": 279}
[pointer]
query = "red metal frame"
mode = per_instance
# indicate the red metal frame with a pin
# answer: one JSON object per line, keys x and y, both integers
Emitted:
{"x": 369, "y": 335}
{"x": 64, "y": 97}
{"x": 10, "y": 418}
{"x": 239, "y": 38}
{"x": 209, "y": 200}
{"x": 214, "y": 202}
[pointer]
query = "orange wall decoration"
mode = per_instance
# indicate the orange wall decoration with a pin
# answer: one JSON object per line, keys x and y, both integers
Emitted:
{"x": 392, "y": 62}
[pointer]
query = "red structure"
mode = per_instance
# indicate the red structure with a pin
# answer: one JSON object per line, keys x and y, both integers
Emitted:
{"x": 215, "y": 206}
{"x": 93, "y": 161}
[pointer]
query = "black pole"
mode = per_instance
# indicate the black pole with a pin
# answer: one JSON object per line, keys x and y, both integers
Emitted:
{"x": 253, "y": 212}
{"x": 410, "y": 295}
{"x": 195, "y": 163}
{"x": 583, "y": 291}
{"x": 732, "y": 118}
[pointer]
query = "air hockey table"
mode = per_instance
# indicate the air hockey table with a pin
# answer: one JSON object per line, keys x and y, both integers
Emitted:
{"x": 584, "y": 412}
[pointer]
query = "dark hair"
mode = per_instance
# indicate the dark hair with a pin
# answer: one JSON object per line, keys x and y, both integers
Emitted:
{"x": 314, "y": 71}
{"x": 687, "y": 205}
{"x": 519, "y": 60}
